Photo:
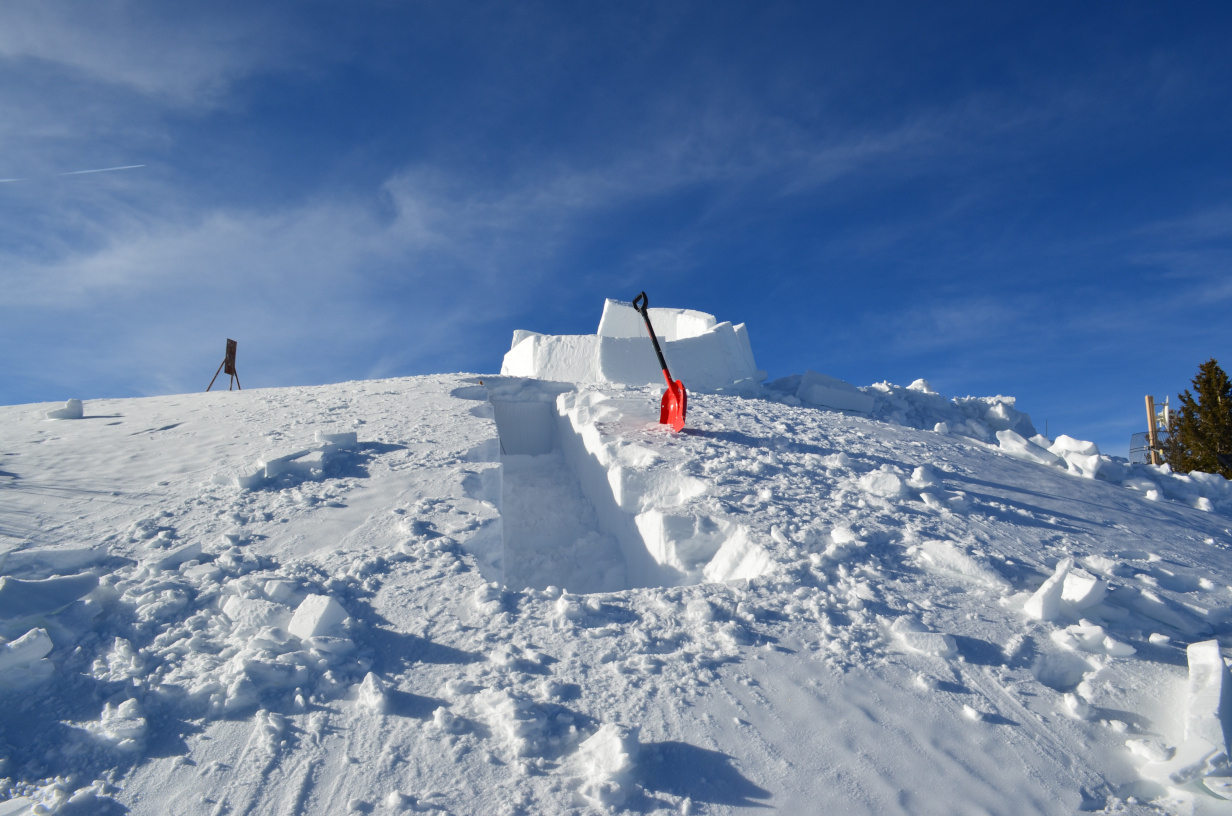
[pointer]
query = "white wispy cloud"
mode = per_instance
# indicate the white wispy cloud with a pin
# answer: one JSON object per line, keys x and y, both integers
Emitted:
{"x": 181, "y": 53}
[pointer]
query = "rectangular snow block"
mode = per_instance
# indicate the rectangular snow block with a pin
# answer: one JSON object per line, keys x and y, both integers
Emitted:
{"x": 630, "y": 360}
{"x": 565, "y": 358}
{"x": 315, "y": 616}
{"x": 710, "y": 361}
{"x": 830, "y": 392}
{"x": 178, "y": 556}
{"x": 341, "y": 439}
{"x": 620, "y": 319}
{"x": 276, "y": 464}
{"x": 20, "y": 598}
{"x": 519, "y": 361}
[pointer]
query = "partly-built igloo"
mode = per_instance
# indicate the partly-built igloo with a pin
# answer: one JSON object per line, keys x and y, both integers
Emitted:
{"x": 705, "y": 354}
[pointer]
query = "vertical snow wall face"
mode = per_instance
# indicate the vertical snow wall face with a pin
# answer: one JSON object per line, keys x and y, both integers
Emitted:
{"x": 640, "y": 499}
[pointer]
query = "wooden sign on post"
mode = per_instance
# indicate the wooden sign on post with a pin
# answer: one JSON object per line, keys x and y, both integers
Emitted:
{"x": 228, "y": 365}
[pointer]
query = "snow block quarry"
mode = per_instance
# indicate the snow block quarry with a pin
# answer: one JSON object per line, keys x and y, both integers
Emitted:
{"x": 520, "y": 594}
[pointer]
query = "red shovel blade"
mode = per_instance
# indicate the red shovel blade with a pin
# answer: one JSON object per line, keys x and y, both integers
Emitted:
{"x": 675, "y": 403}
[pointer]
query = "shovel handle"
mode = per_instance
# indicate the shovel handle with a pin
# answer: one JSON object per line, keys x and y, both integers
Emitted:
{"x": 641, "y": 303}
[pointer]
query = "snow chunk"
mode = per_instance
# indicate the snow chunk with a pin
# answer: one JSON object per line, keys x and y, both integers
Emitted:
{"x": 1082, "y": 589}
{"x": 252, "y": 614}
{"x": 72, "y": 409}
{"x": 316, "y": 615}
{"x": 1067, "y": 444}
{"x": 916, "y": 637}
{"x": 1088, "y": 637}
{"x": 1014, "y": 445}
{"x": 830, "y": 392}
{"x": 342, "y": 440}
{"x": 609, "y": 758}
{"x": 370, "y": 694}
{"x": 23, "y": 661}
{"x": 1045, "y": 604}
{"x": 122, "y": 725}
{"x": 20, "y": 598}
{"x": 884, "y": 483}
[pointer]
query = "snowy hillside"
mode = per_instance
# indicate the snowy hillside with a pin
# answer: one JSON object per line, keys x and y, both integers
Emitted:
{"x": 477, "y": 595}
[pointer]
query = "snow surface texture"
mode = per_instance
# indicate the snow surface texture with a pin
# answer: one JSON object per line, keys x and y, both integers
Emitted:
{"x": 436, "y": 595}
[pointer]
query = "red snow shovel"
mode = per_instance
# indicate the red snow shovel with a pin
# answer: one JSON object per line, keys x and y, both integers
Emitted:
{"x": 675, "y": 400}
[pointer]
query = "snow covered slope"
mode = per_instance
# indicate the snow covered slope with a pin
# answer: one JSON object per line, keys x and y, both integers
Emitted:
{"x": 494, "y": 595}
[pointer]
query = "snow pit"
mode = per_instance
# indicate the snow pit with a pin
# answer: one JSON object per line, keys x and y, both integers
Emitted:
{"x": 590, "y": 505}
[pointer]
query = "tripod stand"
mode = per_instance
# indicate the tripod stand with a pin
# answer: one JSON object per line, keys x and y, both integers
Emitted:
{"x": 228, "y": 365}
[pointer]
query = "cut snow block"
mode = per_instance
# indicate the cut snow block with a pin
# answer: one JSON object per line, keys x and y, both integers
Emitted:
{"x": 19, "y": 598}
{"x": 276, "y": 464}
{"x": 316, "y": 616}
{"x": 620, "y": 319}
{"x": 1081, "y": 589}
{"x": 248, "y": 478}
{"x": 1045, "y": 604}
{"x": 1204, "y": 750}
{"x": 33, "y": 645}
{"x": 344, "y": 440}
{"x": 830, "y": 392}
{"x": 23, "y": 662}
{"x": 181, "y": 555}
{"x": 71, "y": 410}
{"x": 918, "y": 638}
{"x": 711, "y": 361}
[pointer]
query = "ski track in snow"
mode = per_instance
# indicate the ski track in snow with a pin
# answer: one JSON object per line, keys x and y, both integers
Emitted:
{"x": 338, "y": 599}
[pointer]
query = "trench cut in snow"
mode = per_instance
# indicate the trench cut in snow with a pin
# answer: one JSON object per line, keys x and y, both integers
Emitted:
{"x": 587, "y": 510}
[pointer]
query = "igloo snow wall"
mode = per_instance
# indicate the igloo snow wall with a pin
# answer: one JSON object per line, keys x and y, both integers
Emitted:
{"x": 705, "y": 354}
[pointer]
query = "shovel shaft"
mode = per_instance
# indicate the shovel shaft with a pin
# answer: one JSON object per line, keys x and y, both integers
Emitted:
{"x": 641, "y": 303}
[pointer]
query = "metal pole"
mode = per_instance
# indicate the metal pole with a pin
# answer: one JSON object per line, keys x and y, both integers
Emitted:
{"x": 1152, "y": 434}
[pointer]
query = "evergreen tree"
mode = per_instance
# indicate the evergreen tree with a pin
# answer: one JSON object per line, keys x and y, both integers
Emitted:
{"x": 1202, "y": 427}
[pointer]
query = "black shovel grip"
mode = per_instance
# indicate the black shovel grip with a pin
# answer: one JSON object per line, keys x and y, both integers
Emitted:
{"x": 641, "y": 302}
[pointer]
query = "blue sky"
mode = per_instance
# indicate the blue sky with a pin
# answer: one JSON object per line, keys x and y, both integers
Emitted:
{"x": 1026, "y": 199}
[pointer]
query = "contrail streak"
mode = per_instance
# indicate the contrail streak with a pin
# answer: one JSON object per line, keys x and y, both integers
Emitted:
{"x": 102, "y": 170}
{"x": 82, "y": 172}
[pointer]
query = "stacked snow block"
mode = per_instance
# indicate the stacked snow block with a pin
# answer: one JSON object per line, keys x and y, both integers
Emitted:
{"x": 705, "y": 354}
